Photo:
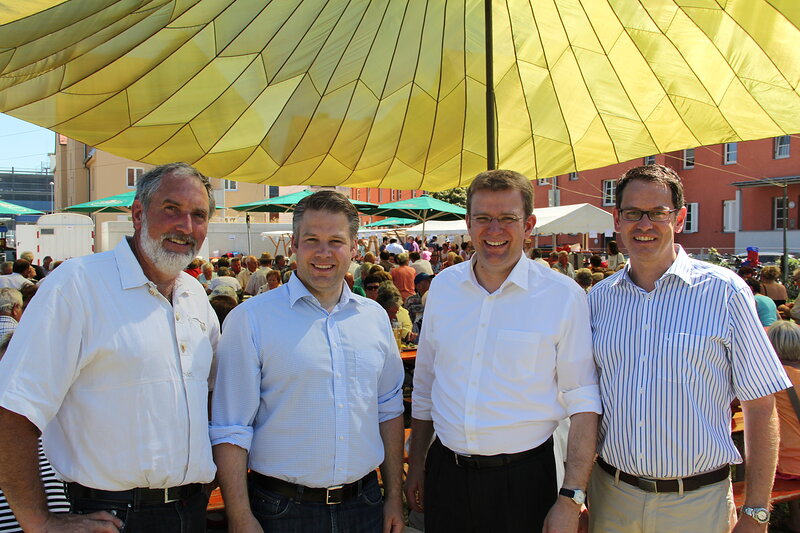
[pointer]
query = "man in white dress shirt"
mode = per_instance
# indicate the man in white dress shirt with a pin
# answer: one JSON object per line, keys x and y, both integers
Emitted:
{"x": 492, "y": 392}
{"x": 111, "y": 363}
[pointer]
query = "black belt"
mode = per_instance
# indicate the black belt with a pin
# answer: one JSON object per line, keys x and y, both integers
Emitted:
{"x": 668, "y": 485}
{"x": 493, "y": 461}
{"x": 134, "y": 496}
{"x": 329, "y": 495}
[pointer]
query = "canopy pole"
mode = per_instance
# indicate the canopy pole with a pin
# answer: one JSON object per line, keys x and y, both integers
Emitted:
{"x": 249, "y": 246}
{"x": 491, "y": 143}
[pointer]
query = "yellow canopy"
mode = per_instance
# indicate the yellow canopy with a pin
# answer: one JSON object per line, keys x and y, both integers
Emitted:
{"x": 391, "y": 93}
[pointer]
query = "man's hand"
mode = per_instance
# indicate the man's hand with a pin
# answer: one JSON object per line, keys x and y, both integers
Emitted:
{"x": 415, "y": 488}
{"x": 393, "y": 514}
{"x": 100, "y": 522}
{"x": 245, "y": 524}
{"x": 562, "y": 517}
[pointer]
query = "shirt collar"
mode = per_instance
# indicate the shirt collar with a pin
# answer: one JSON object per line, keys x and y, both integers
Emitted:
{"x": 131, "y": 274}
{"x": 518, "y": 275}
{"x": 298, "y": 290}
{"x": 681, "y": 268}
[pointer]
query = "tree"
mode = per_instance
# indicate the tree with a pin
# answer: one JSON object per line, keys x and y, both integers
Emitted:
{"x": 455, "y": 196}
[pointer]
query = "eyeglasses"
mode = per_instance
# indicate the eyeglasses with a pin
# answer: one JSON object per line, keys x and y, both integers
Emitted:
{"x": 655, "y": 215}
{"x": 503, "y": 220}
{"x": 372, "y": 287}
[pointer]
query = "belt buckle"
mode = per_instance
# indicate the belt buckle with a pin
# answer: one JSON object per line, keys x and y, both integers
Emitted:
{"x": 167, "y": 499}
{"x": 647, "y": 485}
{"x": 336, "y": 492}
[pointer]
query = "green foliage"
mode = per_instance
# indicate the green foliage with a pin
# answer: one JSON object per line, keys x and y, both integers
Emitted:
{"x": 791, "y": 288}
{"x": 716, "y": 258}
{"x": 455, "y": 196}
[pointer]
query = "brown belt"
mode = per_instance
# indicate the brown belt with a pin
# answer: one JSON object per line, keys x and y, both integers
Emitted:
{"x": 667, "y": 485}
{"x": 328, "y": 495}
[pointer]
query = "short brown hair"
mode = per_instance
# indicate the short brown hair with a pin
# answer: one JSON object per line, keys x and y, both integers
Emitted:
{"x": 331, "y": 201}
{"x": 500, "y": 180}
{"x": 654, "y": 174}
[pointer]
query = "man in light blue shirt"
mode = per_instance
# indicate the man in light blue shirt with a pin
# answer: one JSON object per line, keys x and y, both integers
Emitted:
{"x": 309, "y": 394}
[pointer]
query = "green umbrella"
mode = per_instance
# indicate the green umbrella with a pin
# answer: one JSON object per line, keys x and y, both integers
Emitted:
{"x": 392, "y": 221}
{"x": 422, "y": 208}
{"x": 285, "y": 204}
{"x": 7, "y": 208}
{"x": 118, "y": 203}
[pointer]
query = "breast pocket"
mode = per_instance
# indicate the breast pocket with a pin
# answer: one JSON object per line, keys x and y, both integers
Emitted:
{"x": 516, "y": 354}
{"x": 681, "y": 357}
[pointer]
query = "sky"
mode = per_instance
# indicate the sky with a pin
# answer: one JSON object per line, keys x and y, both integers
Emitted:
{"x": 24, "y": 146}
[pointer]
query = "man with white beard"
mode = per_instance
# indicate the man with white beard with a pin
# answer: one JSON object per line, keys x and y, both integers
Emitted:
{"x": 117, "y": 380}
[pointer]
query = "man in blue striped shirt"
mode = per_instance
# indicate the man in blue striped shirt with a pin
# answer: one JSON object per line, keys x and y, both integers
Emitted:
{"x": 675, "y": 341}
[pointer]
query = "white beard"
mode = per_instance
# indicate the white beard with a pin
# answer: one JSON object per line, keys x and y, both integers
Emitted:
{"x": 167, "y": 262}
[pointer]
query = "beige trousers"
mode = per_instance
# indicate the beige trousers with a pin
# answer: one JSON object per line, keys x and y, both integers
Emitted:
{"x": 616, "y": 507}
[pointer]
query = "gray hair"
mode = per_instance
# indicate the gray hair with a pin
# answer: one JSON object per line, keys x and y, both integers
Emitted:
{"x": 331, "y": 201}
{"x": 147, "y": 185}
{"x": 9, "y": 298}
{"x": 785, "y": 338}
{"x": 389, "y": 295}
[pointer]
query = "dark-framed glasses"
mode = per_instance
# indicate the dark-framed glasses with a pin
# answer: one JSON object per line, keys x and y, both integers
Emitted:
{"x": 655, "y": 215}
{"x": 503, "y": 220}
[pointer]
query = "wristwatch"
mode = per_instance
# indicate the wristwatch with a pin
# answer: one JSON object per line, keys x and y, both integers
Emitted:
{"x": 759, "y": 514}
{"x": 576, "y": 495}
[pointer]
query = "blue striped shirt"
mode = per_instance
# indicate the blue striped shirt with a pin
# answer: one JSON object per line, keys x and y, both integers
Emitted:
{"x": 671, "y": 361}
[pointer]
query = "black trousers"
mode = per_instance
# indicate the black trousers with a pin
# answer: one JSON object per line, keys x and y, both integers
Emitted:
{"x": 504, "y": 499}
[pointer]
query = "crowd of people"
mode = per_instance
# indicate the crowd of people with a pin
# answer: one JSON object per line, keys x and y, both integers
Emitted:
{"x": 280, "y": 378}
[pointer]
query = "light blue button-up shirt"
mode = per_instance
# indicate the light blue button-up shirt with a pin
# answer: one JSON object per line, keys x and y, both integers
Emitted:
{"x": 304, "y": 390}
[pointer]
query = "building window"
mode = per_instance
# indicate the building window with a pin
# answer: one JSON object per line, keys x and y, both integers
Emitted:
{"x": 543, "y": 181}
{"x": 731, "y": 153}
{"x": 609, "y": 192}
{"x": 730, "y": 216}
{"x": 273, "y": 191}
{"x": 688, "y": 158}
{"x": 778, "y": 212}
{"x": 134, "y": 173}
{"x": 230, "y": 185}
{"x": 691, "y": 222}
{"x": 573, "y": 176}
{"x": 650, "y": 160}
{"x": 358, "y": 194}
{"x": 781, "y": 147}
{"x": 392, "y": 195}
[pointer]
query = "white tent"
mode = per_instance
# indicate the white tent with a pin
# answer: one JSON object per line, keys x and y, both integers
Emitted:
{"x": 577, "y": 218}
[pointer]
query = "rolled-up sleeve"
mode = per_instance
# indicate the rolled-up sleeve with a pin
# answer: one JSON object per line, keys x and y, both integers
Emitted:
{"x": 237, "y": 390}
{"x": 575, "y": 366}
{"x": 390, "y": 382}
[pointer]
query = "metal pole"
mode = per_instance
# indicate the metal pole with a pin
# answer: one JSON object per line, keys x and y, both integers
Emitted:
{"x": 785, "y": 258}
{"x": 249, "y": 246}
{"x": 491, "y": 142}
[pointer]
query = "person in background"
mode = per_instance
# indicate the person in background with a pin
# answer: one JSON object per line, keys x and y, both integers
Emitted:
{"x": 371, "y": 285}
{"x": 785, "y": 338}
{"x": 420, "y": 265}
{"x": 250, "y": 266}
{"x": 19, "y": 275}
{"x": 583, "y": 276}
{"x": 765, "y": 306}
{"x": 39, "y": 272}
{"x": 193, "y": 269}
{"x": 274, "y": 280}
{"x": 403, "y": 276}
{"x": 536, "y": 255}
{"x": 207, "y": 275}
{"x": 259, "y": 277}
{"x": 351, "y": 283}
{"x": 224, "y": 277}
{"x": 615, "y": 258}
{"x": 771, "y": 286}
{"x": 746, "y": 272}
{"x": 10, "y": 310}
{"x": 392, "y": 302}
{"x": 46, "y": 264}
{"x": 564, "y": 266}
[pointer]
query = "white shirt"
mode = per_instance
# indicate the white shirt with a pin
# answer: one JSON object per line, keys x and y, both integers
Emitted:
{"x": 14, "y": 280}
{"x": 115, "y": 376}
{"x": 226, "y": 281}
{"x": 258, "y": 279}
{"x": 395, "y": 248}
{"x": 671, "y": 360}
{"x": 490, "y": 366}
{"x": 422, "y": 267}
{"x": 304, "y": 391}
{"x": 243, "y": 276}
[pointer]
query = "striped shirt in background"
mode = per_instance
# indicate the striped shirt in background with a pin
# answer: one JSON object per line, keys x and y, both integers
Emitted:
{"x": 53, "y": 488}
{"x": 671, "y": 361}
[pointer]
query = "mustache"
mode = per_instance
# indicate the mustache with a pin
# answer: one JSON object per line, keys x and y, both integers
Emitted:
{"x": 178, "y": 236}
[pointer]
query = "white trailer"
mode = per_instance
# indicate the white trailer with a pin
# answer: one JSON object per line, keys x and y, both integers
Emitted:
{"x": 60, "y": 235}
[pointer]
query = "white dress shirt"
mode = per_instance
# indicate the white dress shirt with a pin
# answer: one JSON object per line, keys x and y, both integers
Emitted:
{"x": 14, "y": 280}
{"x": 671, "y": 360}
{"x": 490, "y": 367}
{"x": 256, "y": 280}
{"x": 305, "y": 390}
{"x": 227, "y": 281}
{"x": 115, "y": 376}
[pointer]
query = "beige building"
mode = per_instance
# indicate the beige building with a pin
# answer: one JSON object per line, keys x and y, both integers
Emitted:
{"x": 83, "y": 174}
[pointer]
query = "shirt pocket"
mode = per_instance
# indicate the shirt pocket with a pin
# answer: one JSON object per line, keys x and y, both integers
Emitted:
{"x": 680, "y": 357}
{"x": 515, "y": 354}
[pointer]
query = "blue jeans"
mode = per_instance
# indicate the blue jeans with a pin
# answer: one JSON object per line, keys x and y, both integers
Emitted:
{"x": 186, "y": 516}
{"x": 281, "y": 514}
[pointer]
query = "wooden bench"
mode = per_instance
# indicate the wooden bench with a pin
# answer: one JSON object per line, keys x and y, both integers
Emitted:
{"x": 784, "y": 490}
